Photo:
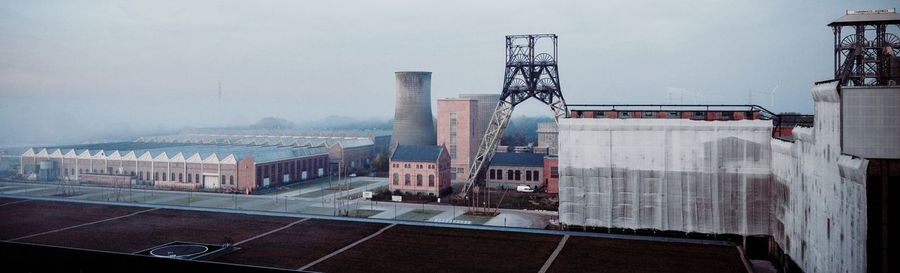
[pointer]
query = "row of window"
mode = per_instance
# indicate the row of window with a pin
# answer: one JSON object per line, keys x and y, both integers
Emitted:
{"x": 293, "y": 169}
{"x": 407, "y": 178}
{"x": 141, "y": 175}
{"x": 515, "y": 175}
{"x": 418, "y": 166}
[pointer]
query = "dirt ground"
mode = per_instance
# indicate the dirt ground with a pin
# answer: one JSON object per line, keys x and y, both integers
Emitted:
{"x": 145, "y": 230}
{"x": 32, "y": 217}
{"x": 608, "y": 255}
{"x": 421, "y": 249}
{"x": 300, "y": 244}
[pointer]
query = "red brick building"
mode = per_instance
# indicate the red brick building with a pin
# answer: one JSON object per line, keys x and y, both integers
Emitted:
{"x": 551, "y": 174}
{"x": 420, "y": 169}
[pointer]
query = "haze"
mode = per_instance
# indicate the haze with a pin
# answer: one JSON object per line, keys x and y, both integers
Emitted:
{"x": 79, "y": 70}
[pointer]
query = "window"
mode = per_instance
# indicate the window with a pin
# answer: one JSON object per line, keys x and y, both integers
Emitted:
{"x": 518, "y": 175}
{"x": 155, "y": 176}
{"x": 431, "y": 180}
{"x": 419, "y": 180}
{"x": 148, "y": 175}
{"x": 164, "y": 177}
{"x": 673, "y": 115}
{"x": 223, "y": 179}
{"x": 649, "y": 114}
{"x": 189, "y": 178}
{"x": 554, "y": 172}
{"x": 527, "y": 175}
{"x": 624, "y": 114}
{"x": 231, "y": 179}
{"x": 180, "y": 176}
{"x": 536, "y": 175}
{"x": 141, "y": 176}
{"x": 452, "y": 145}
{"x": 500, "y": 174}
{"x": 509, "y": 174}
{"x": 406, "y": 180}
{"x": 493, "y": 174}
{"x": 197, "y": 178}
{"x": 396, "y": 179}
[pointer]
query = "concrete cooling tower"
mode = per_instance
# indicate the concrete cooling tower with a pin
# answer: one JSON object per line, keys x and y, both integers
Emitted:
{"x": 413, "y": 123}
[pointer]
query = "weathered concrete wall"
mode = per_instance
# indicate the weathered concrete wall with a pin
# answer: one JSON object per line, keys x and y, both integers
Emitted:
{"x": 819, "y": 195}
{"x": 666, "y": 174}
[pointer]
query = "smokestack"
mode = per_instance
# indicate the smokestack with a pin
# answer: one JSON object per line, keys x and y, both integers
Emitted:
{"x": 413, "y": 123}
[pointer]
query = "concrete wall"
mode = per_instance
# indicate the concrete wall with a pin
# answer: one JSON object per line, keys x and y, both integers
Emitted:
{"x": 487, "y": 103}
{"x": 413, "y": 122}
{"x": 870, "y": 117}
{"x": 819, "y": 194}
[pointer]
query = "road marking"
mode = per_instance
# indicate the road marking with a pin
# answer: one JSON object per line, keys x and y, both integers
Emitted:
{"x": 345, "y": 248}
{"x": 273, "y": 231}
{"x": 85, "y": 224}
{"x": 25, "y": 190}
{"x": 16, "y": 202}
{"x": 562, "y": 243}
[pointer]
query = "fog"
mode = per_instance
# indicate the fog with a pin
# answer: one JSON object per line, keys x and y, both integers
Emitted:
{"x": 73, "y": 71}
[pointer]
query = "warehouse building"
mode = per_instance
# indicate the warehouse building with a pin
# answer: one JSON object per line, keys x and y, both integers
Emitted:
{"x": 176, "y": 165}
{"x": 347, "y": 154}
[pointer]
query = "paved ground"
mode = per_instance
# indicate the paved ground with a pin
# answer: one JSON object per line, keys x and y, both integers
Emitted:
{"x": 336, "y": 244}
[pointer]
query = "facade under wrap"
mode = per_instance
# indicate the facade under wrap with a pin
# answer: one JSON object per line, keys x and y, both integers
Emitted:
{"x": 722, "y": 177}
{"x": 666, "y": 174}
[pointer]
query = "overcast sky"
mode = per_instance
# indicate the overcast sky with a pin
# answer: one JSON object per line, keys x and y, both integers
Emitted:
{"x": 83, "y": 67}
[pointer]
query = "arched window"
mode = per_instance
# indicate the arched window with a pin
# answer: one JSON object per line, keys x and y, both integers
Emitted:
{"x": 431, "y": 180}
{"x": 223, "y": 179}
{"x": 406, "y": 180}
{"x": 419, "y": 180}
{"x": 396, "y": 179}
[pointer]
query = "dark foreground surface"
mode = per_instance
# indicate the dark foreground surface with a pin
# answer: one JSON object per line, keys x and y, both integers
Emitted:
{"x": 66, "y": 236}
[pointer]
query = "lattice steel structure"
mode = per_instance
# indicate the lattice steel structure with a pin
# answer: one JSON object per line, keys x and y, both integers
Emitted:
{"x": 867, "y": 55}
{"x": 531, "y": 72}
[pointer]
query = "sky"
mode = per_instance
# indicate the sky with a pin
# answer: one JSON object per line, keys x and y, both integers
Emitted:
{"x": 79, "y": 70}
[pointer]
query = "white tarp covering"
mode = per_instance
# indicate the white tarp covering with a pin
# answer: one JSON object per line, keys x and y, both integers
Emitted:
{"x": 666, "y": 174}
{"x": 820, "y": 195}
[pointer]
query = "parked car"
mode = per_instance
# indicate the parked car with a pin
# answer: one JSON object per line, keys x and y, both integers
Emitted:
{"x": 524, "y": 188}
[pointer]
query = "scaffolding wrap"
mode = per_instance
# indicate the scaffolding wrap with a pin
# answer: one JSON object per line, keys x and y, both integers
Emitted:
{"x": 666, "y": 174}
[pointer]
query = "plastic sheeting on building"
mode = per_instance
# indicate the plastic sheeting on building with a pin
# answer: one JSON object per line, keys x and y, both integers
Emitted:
{"x": 666, "y": 174}
{"x": 819, "y": 195}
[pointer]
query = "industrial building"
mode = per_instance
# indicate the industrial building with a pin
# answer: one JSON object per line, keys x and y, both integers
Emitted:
{"x": 419, "y": 169}
{"x": 346, "y": 154}
{"x": 547, "y": 137}
{"x": 413, "y": 121}
{"x": 487, "y": 103}
{"x": 457, "y": 130}
{"x": 509, "y": 170}
{"x": 178, "y": 166}
{"x": 817, "y": 196}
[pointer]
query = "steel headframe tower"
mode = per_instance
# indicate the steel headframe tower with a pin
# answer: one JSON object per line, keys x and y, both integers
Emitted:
{"x": 867, "y": 55}
{"x": 530, "y": 73}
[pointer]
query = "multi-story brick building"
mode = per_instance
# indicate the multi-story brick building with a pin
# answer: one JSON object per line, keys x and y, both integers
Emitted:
{"x": 456, "y": 130}
{"x": 420, "y": 169}
{"x": 212, "y": 167}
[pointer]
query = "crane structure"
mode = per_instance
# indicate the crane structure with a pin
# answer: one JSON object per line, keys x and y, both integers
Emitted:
{"x": 531, "y": 72}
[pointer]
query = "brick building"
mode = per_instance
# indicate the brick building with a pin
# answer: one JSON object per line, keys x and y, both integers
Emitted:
{"x": 509, "y": 170}
{"x": 456, "y": 130}
{"x": 420, "y": 169}
{"x": 551, "y": 174}
{"x": 211, "y": 167}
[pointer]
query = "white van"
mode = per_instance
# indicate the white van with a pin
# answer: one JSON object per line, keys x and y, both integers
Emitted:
{"x": 524, "y": 189}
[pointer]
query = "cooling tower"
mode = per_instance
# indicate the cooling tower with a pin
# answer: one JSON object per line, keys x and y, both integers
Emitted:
{"x": 487, "y": 103}
{"x": 413, "y": 123}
